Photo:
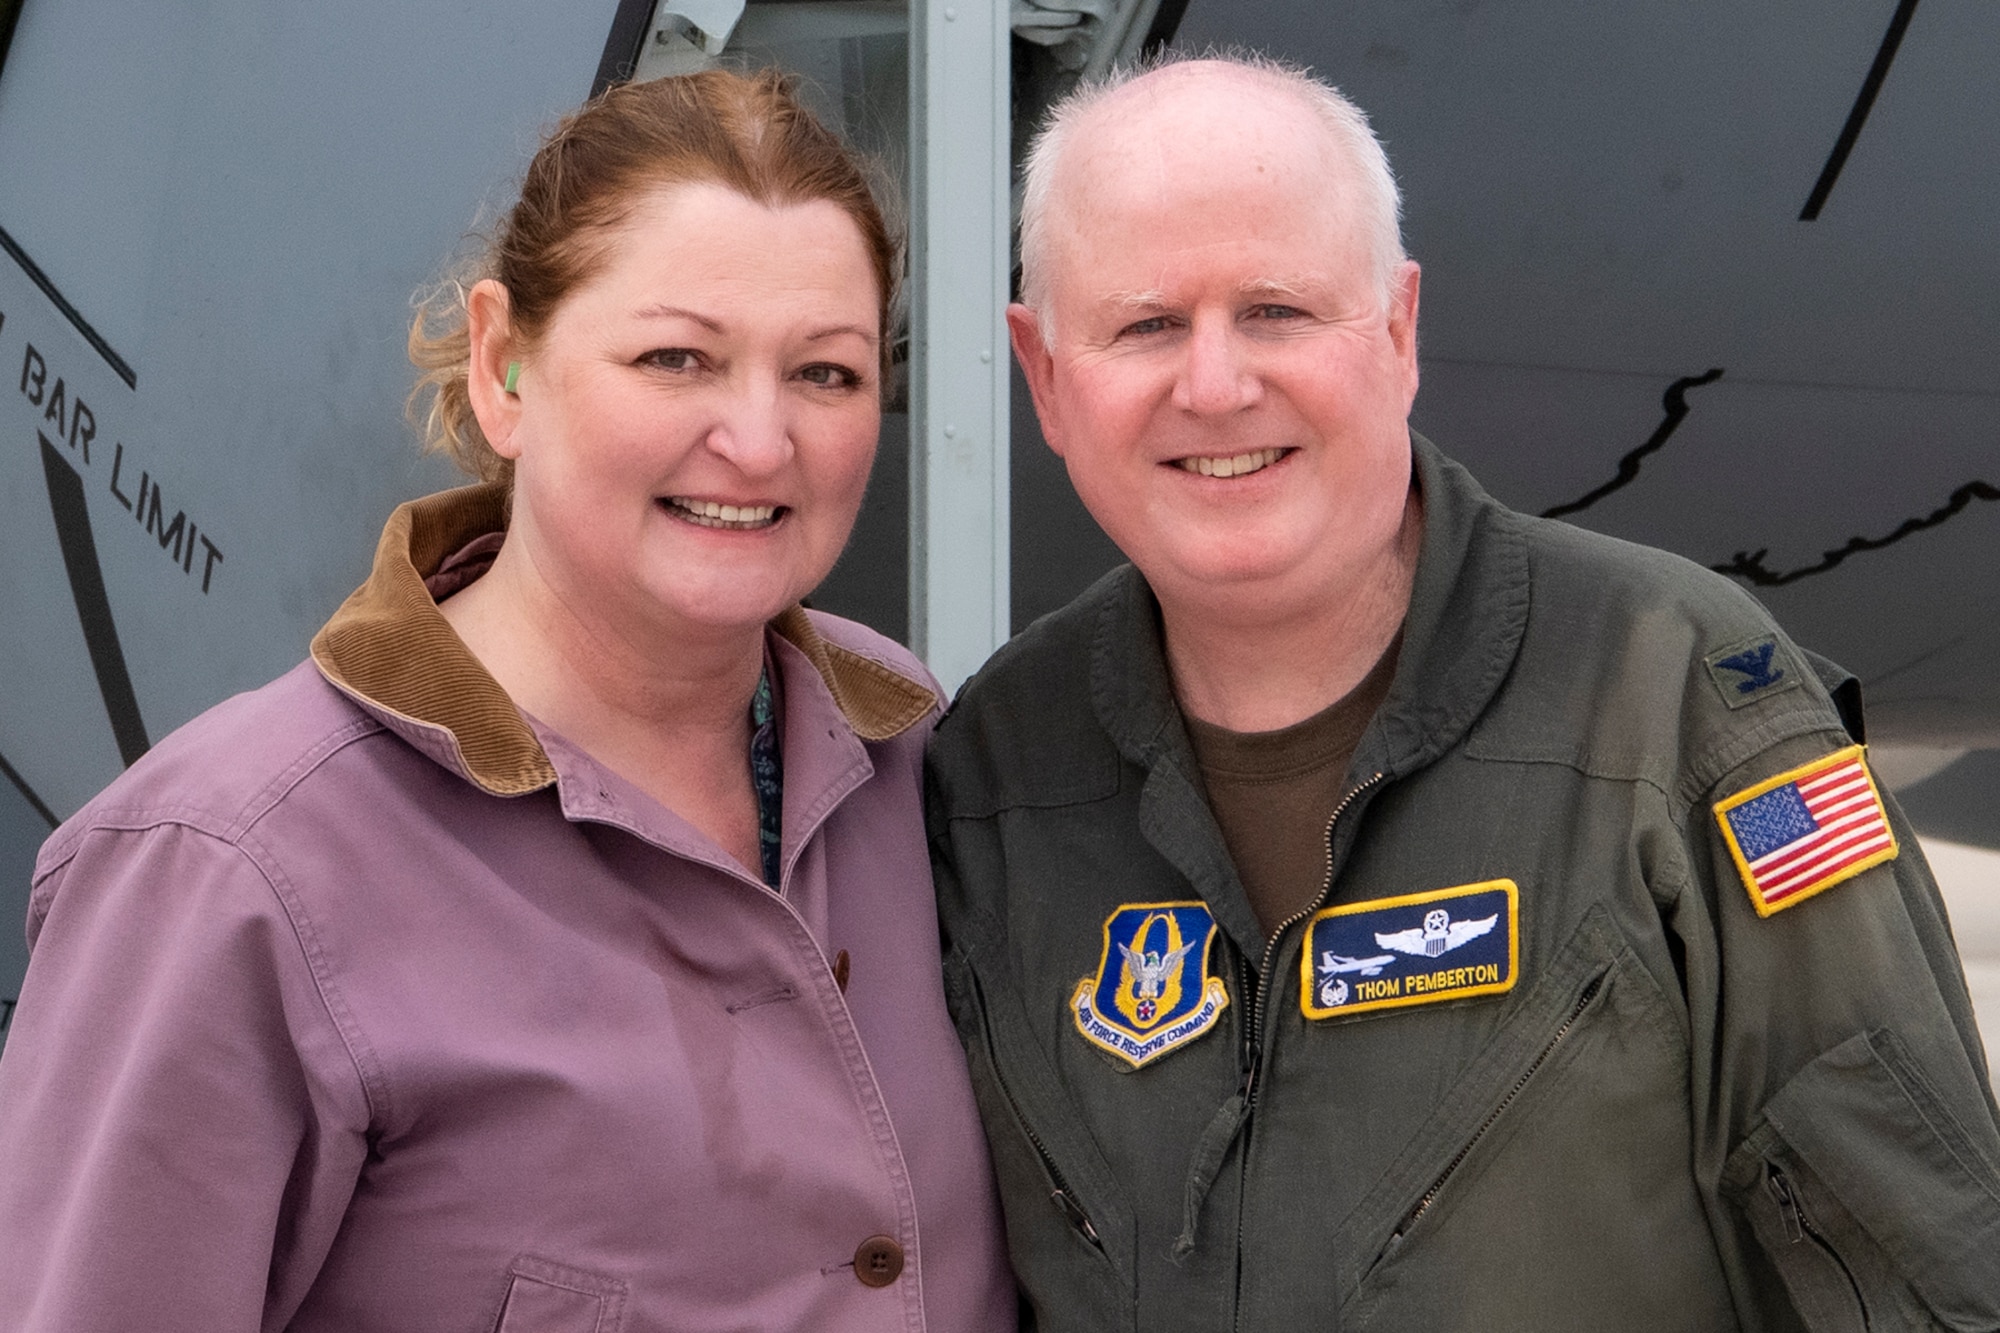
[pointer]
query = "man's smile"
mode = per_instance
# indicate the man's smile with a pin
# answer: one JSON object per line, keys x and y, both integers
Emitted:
{"x": 1235, "y": 465}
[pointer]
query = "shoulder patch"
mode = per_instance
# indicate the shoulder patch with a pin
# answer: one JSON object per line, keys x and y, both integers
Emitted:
{"x": 1152, "y": 993}
{"x": 1419, "y": 948}
{"x": 1751, "y": 670}
{"x": 1806, "y": 830}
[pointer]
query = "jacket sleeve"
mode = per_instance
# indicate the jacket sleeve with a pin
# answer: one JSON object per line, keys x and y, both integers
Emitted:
{"x": 181, "y": 1124}
{"x": 1846, "y": 1130}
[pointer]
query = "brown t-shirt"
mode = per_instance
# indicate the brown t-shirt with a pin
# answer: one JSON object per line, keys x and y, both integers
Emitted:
{"x": 1274, "y": 791}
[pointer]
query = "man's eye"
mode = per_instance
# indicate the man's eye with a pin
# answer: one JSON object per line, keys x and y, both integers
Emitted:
{"x": 673, "y": 358}
{"x": 1272, "y": 311}
{"x": 829, "y": 376}
{"x": 1147, "y": 327}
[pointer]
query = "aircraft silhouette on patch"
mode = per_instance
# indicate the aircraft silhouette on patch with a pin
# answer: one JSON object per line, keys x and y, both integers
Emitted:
{"x": 1333, "y": 964}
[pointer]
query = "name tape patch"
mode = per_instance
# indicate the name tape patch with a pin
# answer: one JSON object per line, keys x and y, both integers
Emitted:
{"x": 1804, "y": 831}
{"x": 1152, "y": 993}
{"x": 1420, "y": 948}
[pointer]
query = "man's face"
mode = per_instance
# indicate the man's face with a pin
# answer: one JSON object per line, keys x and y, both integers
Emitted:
{"x": 1224, "y": 382}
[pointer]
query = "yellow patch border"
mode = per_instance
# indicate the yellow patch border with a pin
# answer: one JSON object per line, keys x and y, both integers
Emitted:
{"x": 1213, "y": 990}
{"x": 1311, "y": 1010}
{"x": 1799, "y": 774}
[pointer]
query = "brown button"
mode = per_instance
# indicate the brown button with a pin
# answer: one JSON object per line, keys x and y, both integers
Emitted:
{"x": 840, "y": 971}
{"x": 878, "y": 1262}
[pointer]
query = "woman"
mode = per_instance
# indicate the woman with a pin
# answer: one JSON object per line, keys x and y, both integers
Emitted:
{"x": 555, "y": 949}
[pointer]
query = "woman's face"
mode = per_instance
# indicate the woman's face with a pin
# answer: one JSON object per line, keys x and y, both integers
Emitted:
{"x": 693, "y": 432}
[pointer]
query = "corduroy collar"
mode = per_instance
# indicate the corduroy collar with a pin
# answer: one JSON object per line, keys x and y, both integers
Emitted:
{"x": 391, "y": 649}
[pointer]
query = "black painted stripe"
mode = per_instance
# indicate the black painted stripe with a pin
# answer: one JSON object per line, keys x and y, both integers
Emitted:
{"x": 93, "y": 604}
{"x": 1750, "y": 567}
{"x": 70, "y": 312}
{"x": 621, "y": 47}
{"x": 1675, "y": 402}
{"x": 10, "y": 12}
{"x": 21, "y": 785}
{"x": 1885, "y": 55}
{"x": 1166, "y": 22}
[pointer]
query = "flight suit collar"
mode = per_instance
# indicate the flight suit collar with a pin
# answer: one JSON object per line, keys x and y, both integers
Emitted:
{"x": 1468, "y": 612}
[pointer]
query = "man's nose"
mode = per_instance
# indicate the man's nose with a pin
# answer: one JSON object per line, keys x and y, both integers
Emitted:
{"x": 1216, "y": 377}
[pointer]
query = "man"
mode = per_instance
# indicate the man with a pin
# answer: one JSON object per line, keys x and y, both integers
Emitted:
{"x": 1381, "y": 909}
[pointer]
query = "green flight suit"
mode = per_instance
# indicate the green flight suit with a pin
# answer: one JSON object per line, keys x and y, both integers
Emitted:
{"x": 1680, "y": 1114}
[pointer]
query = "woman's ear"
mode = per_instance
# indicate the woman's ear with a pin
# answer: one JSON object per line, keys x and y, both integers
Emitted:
{"x": 494, "y": 381}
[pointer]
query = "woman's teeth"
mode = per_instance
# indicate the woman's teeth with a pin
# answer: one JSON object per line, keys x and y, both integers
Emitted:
{"x": 1231, "y": 467}
{"x": 709, "y": 514}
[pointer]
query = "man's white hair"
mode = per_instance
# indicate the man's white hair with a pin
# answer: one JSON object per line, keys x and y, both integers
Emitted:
{"x": 1380, "y": 203}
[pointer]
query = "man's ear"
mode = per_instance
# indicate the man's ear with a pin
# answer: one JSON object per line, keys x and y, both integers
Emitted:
{"x": 1038, "y": 366}
{"x": 1403, "y": 286}
{"x": 495, "y": 402}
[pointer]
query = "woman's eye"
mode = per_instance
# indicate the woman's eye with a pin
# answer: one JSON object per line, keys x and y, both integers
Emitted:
{"x": 673, "y": 358}
{"x": 829, "y": 376}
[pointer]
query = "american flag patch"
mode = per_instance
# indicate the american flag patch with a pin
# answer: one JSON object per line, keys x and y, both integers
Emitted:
{"x": 1807, "y": 830}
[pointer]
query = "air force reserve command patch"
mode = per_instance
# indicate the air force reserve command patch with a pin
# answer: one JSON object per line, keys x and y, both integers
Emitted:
{"x": 1805, "y": 831}
{"x": 1152, "y": 993}
{"x": 1417, "y": 949}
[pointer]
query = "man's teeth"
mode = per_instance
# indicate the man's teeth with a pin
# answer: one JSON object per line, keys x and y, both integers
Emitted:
{"x": 709, "y": 514}
{"x": 1231, "y": 467}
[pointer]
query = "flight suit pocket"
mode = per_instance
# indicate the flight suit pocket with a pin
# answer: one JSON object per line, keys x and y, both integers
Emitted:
{"x": 1876, "y": 1207}
{"x": 545, "y": 1297}
{"x": 1059, "y": 1214}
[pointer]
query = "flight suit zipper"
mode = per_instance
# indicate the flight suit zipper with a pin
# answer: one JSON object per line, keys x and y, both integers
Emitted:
{"x": 1492, "y": 1117}
{"x": 1799, "y": 1227}
{"x": 1253, "y": 1019}
{"x": 1062, "y": 1196}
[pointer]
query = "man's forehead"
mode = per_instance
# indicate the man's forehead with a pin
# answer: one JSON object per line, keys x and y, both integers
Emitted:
{"x": 1200, "y": 112}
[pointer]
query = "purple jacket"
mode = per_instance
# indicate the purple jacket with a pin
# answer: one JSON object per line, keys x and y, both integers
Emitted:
{"x": 362, "y": 1003}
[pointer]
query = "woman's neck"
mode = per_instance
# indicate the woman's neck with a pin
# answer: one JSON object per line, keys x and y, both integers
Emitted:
{"x": 666, "y": 707}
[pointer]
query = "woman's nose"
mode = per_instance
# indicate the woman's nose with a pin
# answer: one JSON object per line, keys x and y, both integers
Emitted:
{"x": 752, "y": 429}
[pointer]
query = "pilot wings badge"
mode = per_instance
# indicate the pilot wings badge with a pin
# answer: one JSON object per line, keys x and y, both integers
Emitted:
{"x": 1152, "y": 993}
{"x": 1415, "y": 949}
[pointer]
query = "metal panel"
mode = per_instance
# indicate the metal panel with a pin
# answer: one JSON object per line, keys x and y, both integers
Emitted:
{"x": 959, "y": 247}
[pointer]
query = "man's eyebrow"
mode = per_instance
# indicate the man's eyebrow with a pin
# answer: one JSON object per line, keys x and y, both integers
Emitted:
{"x": 1292, "y": 289}
{"x": 1289, "y": 288}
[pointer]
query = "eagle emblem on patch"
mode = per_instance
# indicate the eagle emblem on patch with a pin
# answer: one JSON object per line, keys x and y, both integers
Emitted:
{"x": 1419, "y": 948}
{"x": 1152, "y": 993}
{"x": 1806, "y": 830}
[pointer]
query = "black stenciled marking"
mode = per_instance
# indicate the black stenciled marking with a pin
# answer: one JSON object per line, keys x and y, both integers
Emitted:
{"x": 1166, "y": 22}
{"x": 69, "y": 312}
{"x": 10, "y": 13}
{"x": 622, "y": 45}
{"x": 93, "y": 605}
{"x": 21, "y": 785}
{"x": 1676, "y": 404}
{"x": 1750, "y": 566}
{"x": 1885, "y": 55}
